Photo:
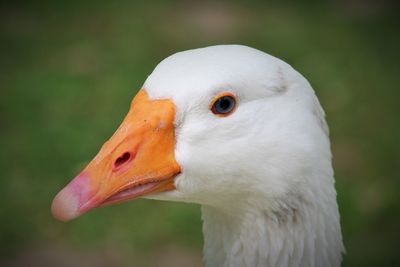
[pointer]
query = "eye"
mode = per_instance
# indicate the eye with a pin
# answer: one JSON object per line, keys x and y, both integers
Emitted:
{"x": 224, "y": 104}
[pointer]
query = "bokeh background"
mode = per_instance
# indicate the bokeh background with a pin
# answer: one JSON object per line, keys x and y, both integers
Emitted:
{"x": 69, "y": 69}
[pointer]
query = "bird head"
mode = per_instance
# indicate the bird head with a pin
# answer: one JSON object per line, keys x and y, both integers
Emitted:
{"x": 216, "y": 126}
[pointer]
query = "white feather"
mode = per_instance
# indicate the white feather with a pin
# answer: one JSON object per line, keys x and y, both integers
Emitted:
{"x": 263, "y": 175}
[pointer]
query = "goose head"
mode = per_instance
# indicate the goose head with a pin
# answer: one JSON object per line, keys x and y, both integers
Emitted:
{"x": 239, "y": 132}
{"x": 226, "y": 126}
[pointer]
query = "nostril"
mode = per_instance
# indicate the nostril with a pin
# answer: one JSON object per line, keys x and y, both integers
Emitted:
{"x": 122, "y": 159}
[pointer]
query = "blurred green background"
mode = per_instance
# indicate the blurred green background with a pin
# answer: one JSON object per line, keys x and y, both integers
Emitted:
{"x": 69, "y": 70}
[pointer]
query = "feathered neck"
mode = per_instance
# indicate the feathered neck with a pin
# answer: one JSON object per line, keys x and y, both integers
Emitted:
{"x": 297, "y": 232}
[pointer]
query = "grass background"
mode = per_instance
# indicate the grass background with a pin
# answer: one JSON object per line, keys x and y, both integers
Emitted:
{"x": 69, "y": 69}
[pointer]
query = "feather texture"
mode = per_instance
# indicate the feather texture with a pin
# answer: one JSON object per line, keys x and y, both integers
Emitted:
{"x": 263, "y": 175}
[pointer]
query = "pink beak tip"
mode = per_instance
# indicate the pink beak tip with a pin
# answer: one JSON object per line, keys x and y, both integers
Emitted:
{"x": 65, "y": 206}
{"x": 68, "y": 202}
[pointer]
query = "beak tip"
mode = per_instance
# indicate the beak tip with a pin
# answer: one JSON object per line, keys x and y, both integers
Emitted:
{"x": 68, "y": 202}
{"x": 65, "y": 206}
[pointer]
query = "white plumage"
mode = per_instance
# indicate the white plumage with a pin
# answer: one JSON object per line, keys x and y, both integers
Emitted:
{"x": 262, "y": 175}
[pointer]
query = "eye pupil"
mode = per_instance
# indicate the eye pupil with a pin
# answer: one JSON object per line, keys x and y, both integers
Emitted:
{"x": 223, "y": 105}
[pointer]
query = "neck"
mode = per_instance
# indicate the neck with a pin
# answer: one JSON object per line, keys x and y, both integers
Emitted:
{"x": 295, "y": 234}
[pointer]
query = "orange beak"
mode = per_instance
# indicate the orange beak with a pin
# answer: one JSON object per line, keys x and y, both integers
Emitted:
{"x": 137, "y": 160}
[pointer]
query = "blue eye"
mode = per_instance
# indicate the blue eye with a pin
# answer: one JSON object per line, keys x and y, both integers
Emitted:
{"x": 223, "y": 105}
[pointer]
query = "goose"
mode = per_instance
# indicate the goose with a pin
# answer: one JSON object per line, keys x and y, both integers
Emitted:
{"x": 242, "y": 134}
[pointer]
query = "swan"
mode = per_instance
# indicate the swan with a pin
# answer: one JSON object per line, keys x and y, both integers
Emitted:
{"x": 242, "y": 134}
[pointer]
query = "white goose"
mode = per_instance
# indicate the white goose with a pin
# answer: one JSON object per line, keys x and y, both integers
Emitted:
{"x": 239, "y": 132}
